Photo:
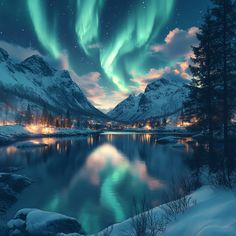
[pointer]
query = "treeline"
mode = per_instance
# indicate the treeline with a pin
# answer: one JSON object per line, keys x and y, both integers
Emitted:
{"x": 212, "y": 97}
{"x": 45, "y": 118}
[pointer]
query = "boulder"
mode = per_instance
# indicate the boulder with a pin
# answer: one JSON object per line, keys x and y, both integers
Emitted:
{"x": 10, "y": 186}
{"x": 35, "y": 222}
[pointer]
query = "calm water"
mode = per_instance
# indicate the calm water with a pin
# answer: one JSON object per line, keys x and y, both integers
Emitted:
{"x": 95, "y": 178}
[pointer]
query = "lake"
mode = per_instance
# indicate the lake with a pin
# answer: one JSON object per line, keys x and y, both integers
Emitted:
{"x": 96, "y": 178}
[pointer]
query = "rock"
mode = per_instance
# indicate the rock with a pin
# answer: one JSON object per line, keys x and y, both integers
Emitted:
{"x": 35, "y": 222}
{"x": 3, "y": 55}
{"x": 10, "y": 186}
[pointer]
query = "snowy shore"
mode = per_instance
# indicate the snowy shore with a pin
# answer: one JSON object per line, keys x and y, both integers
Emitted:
{"x": 212, "y": 212}
{"x": 13, "y": 133}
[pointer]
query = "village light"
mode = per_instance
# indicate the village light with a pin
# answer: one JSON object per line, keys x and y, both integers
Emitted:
{"x": 39, "y": 129}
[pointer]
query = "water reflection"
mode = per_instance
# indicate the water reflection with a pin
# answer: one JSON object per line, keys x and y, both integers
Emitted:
{"x": 94, "y": 179}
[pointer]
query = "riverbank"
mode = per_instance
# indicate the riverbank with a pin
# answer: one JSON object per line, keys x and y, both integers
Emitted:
{"x": 12, "y": 133}
{"x": 210, "y": 211}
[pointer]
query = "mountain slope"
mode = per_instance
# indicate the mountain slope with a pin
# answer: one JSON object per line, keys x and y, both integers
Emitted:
{"x": 161, "y": 98}
{"x": 35, "y": 82}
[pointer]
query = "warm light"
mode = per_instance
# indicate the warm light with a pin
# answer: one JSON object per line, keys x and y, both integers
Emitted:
{"x": 90, "y": 140}
{"x": 3, "y": 122}
{"x": 147, "y": 127}
{"x": 39, "y": 129}
{"x": 11, "y": 150}
{"x": 193, "y": 121}
{"x": 184, "y": 124}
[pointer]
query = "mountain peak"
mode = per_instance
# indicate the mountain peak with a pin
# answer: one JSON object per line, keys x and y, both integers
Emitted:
{"x": 65, "y": 74}
{"x": 28, "y": 82}
{"x": 162, "y": 97}
{"x": 37, "y": 65}
{"x": 3, "y": 55}
{"x": 156, "y": 84}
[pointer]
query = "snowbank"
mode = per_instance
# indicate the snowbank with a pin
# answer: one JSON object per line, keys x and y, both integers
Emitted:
{"x": 12, "y": 133}
{"x": 34, "y": 222}
{"x": 213, "y": 214}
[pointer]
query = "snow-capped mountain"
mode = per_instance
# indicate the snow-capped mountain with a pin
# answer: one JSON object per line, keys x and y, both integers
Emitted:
{"x": 161, "y": 98}
{"x": 35, "y": 82}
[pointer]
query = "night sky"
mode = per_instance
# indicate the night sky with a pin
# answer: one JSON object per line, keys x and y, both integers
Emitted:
{"x": 111, "y": 47}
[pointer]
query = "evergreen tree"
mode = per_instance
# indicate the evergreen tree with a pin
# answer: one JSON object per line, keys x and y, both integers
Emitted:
{"x": 68, "y": 119}
{"x": 28, "y": 115}
{"x": 45, "y": 115}
{"x": 57, "y": 124}
{"x": 164, "y": 122}
{"x": 224, "y": 13}
{"x": 201, "y": 101}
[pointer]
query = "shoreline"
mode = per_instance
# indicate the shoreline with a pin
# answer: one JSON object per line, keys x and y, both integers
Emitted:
{"x": 19, "y": 133}
{"x": 10, "y": 134}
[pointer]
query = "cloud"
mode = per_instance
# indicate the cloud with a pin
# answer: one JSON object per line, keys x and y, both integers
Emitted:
{"x": 89, "y": 83}
{"x": 177, "y": 44}
{"x": 17, "y": 52}
{"x": 101, "y": 97}
{"x": 175, "y": 53}
{"x": 152, "y": 74}
{"x": 109, "y": 100}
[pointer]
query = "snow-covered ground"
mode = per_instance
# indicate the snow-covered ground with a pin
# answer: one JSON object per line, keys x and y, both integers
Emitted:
{"x": 11, "y": 133}
{"x": 213, "y": 214}
{"x": 212, "y": 211}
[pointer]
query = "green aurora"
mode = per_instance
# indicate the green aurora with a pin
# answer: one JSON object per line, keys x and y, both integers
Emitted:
{"x": 46, "y": 35}
{"x": 124, "y": 53}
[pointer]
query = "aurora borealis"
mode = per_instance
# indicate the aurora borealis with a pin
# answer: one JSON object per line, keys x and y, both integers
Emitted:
{"x": 111, "y": 47}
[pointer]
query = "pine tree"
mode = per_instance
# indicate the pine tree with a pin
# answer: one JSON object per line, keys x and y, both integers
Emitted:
{"x": 201, "y": 99}
{"x": 224, "y": 13}
{"x": 68, "y": 119}
{"x": 44, "y": 117}
{"x": 28, "y": 115}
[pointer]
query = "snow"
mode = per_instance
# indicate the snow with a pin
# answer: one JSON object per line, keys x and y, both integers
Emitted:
{"x": 36, "y": 83}
{"x": 12, "y": 133}
{"x": 162, "y": 98}
{"x": 36, "y": 222}
{"x": 213, "y": 214}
